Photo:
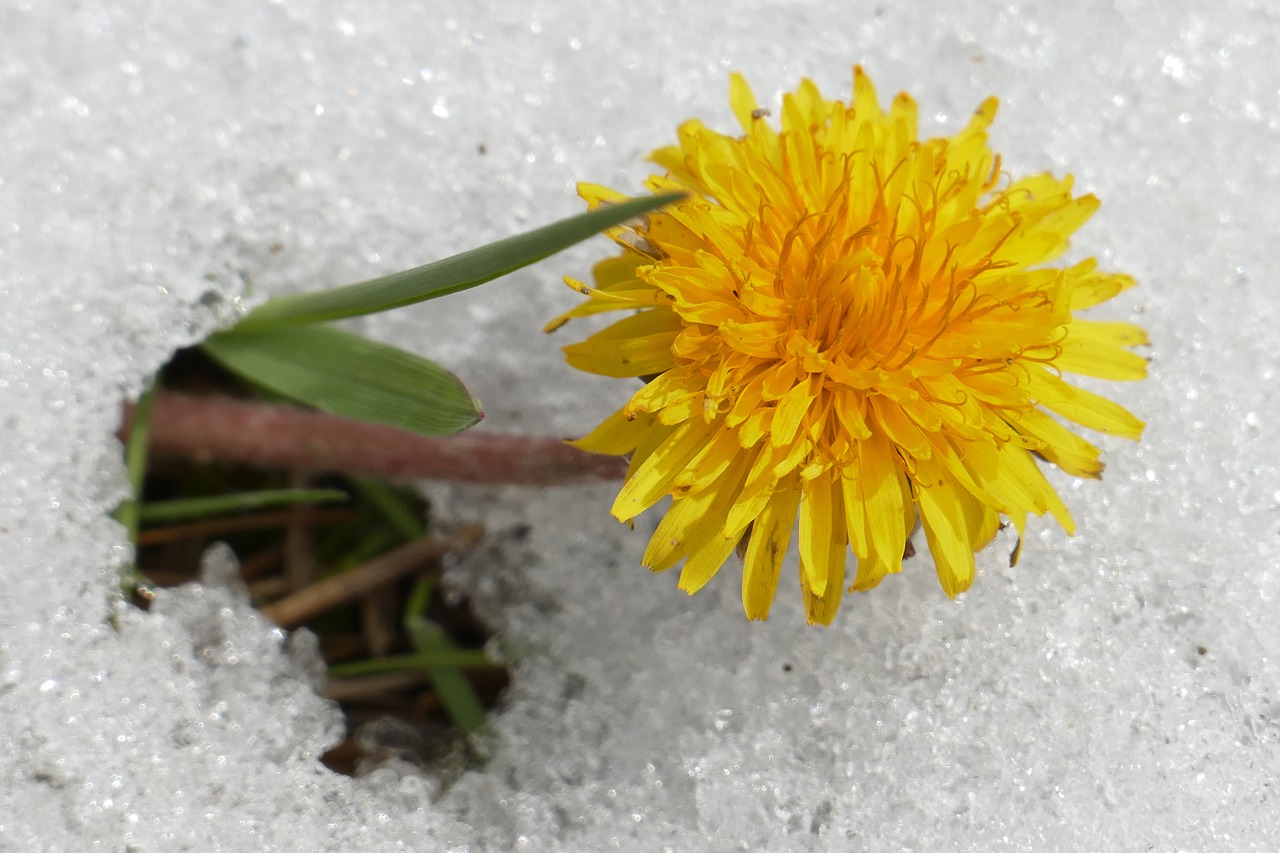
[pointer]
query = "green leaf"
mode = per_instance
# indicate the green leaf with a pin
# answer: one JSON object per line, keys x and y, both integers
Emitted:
{"x": 446, "y": 276}
{"x": 183, "y": 508}
{"x": 347, "y": 375}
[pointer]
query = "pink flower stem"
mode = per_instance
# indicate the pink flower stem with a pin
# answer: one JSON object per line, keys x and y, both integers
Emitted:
{"x": 270, "y": 435}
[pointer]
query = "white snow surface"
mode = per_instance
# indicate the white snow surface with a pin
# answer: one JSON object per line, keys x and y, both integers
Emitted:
{"x": 159, "y": 163}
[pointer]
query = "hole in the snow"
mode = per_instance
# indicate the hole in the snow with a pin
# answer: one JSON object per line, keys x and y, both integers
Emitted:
{"x": 405, "y": 661}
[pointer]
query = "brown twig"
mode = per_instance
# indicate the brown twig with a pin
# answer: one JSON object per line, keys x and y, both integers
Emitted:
{"x": 277, "y": 436}
{"x": 293, "y": 610}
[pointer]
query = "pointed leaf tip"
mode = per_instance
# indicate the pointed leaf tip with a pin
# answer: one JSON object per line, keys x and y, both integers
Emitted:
{"x": 350, "y": 376}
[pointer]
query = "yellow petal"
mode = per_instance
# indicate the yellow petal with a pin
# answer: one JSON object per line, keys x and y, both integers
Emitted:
{"x": 597, "y": 194}
{"x": 879, "y": 492}
{"x": 1088, "y": 288}
{"x": 946, "y": 528}
{"x": 638, "y": 345}
{"x": 1098, "y": 349}
{"x": 743, "y": 101}
{"x": 767, "y": 548}
{"x": 1060, "y": 445}
{"x": 900, "y": 429}
{"x": 694, "y": 521}
{"x": 674, "y": 386}
{"x": 1083, "y": 407}
{"x": 855, "y": 512}
{"x": 703, "y": 563}
{"x": 688, "y": 523}
{"x": 817, "y": 505}
{"x": 616, "y": 435}
{"x": 865, "y": 103}
{"x": 826, "y": 560}
{"x": 754, "y": 495}
{"x": 1021, "y": 468}
{"x": 716, "y": 457}
{"x": 790, "y": 415}
{"x": 654, "y": 477}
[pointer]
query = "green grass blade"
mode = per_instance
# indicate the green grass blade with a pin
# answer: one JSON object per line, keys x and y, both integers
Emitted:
{"x": 347, "y": 375}
{"x": 445, "y": 276}
{"x": 455, "y": 658}
{"x": 184, "y": 508}
{"x": 459, "y": 700}
{"x": 135, "y": 461}
{"x": 392, "y": 507}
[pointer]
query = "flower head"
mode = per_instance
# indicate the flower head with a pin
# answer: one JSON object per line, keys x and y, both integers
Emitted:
{"x": 846, "y": 323}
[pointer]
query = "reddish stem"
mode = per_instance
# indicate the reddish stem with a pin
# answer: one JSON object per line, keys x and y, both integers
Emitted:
{"x": 277, "y": 436}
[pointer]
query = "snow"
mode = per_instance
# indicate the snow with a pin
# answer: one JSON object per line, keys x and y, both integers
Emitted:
{"x": 157, "y": 168}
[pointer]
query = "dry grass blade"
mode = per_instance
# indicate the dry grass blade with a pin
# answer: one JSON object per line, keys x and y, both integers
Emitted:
{"x": 293, "y": 610}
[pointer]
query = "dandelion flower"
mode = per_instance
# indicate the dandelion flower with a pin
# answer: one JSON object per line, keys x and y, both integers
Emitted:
{"x": 845, "y": 324}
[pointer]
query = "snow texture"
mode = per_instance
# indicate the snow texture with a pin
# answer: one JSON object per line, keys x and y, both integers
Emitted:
{"x": 1115, "y": 691}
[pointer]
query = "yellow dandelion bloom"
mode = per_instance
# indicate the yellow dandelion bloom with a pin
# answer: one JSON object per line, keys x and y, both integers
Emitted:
{"x": 843, "y": 323}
